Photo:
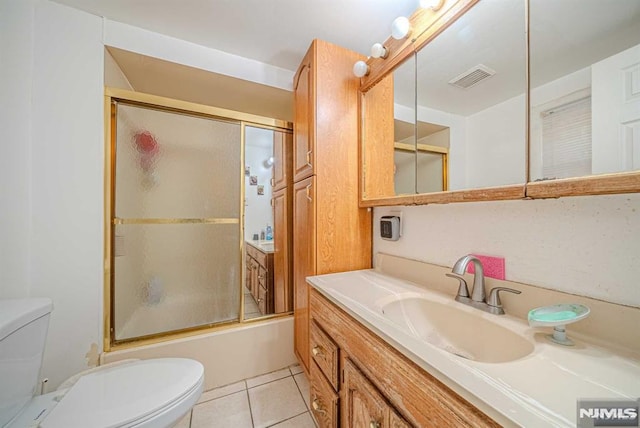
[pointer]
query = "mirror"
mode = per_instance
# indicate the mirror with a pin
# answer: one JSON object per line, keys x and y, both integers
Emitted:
{"x": 468, "y": 128}
{"x": 404, "y": 128}
{"x": 264, "y": 292}
{"x": 585, "y": 88}
{"x": 471, "y": 85}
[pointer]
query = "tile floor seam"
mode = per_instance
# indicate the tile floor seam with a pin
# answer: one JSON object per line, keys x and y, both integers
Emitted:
{"x": 250, "y": 409}
{"x": 301, "y": 394}
{"x": 271, "y": 381}
{"x": 285, "y": 420}
{"x": 221, "y": 396}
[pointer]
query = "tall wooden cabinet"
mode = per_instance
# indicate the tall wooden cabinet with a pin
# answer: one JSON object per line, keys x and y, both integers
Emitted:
{"x": 282, "y": 222}
{"x": 330, "y": 232}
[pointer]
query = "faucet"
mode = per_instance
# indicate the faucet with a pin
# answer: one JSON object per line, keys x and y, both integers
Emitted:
{"x": 478, "y": 297}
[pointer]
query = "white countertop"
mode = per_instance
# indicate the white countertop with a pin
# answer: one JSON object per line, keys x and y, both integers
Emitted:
{"x": 540, "y": 389}
{"x": 266, "y": 246}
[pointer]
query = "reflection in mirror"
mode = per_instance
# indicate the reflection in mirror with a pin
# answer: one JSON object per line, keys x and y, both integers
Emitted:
{"x": 471, "y": 86}
{"x": 263, "y": 291}
{"x": 389, "y": 134}
{"x": 585, "y": 88}
{"x": 404, "y": 134}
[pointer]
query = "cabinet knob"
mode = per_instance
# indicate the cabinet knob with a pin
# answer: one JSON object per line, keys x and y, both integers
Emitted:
{"x": 260, "y": 276}
{"x": 374, "y": 424}
{"x": 260, "y": 300}
{"x": 317, "y": 350}
{"x": 317, "y": 407}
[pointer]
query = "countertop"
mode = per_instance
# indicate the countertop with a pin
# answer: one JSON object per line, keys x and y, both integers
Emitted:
{"x": 262, "y": 245}
{"x": 540, "y": 389}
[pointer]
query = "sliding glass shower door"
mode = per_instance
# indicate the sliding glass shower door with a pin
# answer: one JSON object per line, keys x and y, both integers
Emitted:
{"x": 176, "y": 229}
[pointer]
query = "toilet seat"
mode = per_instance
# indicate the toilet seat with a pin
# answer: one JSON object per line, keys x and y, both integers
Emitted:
{"x": 146, "y": 393}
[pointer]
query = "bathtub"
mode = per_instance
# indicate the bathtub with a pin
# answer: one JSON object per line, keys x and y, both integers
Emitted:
{"x": 228, "y": 355}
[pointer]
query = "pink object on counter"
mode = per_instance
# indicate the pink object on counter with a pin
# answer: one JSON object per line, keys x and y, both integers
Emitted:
{"x": 493, "y": 266}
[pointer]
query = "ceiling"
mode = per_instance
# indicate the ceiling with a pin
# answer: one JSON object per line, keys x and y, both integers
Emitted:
{"x": 566, "y": 36}
{"x": 276, "y": 32}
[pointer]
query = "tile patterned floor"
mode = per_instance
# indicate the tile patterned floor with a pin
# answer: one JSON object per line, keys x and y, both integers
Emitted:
{"x": 279, "y": 399}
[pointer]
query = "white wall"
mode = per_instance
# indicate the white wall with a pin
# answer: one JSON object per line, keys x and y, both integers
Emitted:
{"x": 67, "y": 185}
{"x": 16, "y": 70}
{"x": 586, "y": 245}
{"x": 496, "y": 145}
{"x": 258, "y": 212}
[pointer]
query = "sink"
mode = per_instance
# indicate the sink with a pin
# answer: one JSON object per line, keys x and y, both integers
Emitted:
{"x": 457, "y": 331}
{"x": 267, "y": 246}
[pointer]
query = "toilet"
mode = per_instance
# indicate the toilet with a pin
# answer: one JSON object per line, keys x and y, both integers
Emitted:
{"x": 154, "y": 393}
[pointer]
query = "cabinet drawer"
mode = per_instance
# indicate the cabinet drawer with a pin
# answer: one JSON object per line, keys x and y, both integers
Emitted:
{"x": 325, "y": 353}
{"x": 324, "y": 400}
{"x": 251, "y": 251}
{"x": 261, "y": 258}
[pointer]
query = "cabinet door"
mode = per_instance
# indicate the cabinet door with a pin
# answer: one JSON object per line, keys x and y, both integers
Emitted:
{"x": 304, "y": 263}
{"x": 363, "y": 404}
{"x": 254, "y": 278}
{"x": 303, "y": 131}
{"x": 324, "y": 400}
{"x": 282, "y": 154}
{"x": 282, "y": 249}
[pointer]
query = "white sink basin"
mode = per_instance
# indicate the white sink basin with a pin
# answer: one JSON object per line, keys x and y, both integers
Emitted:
{"x": 457, "y": 331}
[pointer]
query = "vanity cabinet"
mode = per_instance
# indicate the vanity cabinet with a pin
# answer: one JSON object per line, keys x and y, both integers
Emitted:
{"x": 259, "y": 265}
{"x": 331, "y": 233}
{"x": 376, "y": 385}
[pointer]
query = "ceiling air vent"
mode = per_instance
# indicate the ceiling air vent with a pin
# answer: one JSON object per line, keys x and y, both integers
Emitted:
{"x": 472, "y": 77}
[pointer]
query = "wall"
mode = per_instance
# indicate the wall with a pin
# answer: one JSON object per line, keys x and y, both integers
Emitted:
{"x": 495, "y": 146}
{"x": 16, "y": 72}
{"x": 67, "y": 187}
{"x": 258, "y": 212}
{"x": 586, "y": 245}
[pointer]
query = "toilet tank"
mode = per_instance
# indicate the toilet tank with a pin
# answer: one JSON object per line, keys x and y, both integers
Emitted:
{"x": 23, "y": 331}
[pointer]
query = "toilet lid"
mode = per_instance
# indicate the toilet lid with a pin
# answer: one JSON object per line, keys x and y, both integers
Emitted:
{"x": 124, "y": 394}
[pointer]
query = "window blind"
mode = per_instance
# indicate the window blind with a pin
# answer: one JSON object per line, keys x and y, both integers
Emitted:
{"x": 566, "y": 140}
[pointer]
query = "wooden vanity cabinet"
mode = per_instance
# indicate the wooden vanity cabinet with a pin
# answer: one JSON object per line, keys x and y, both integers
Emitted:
{"x": 363, "y": 404}
{"x": 331, "y": 233}
{"x": 260, "y": 278}
{"x": 377, "y": 385}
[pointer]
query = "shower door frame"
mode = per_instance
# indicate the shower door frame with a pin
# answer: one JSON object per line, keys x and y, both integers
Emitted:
{"x": 113, "y": 96}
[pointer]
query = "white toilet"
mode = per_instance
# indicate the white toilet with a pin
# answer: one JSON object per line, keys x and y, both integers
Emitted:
{"x": 153, "y": 393}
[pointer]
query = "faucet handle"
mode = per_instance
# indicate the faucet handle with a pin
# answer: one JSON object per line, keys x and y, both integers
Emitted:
{"x": 463, "y": 290}
{"x": 494, "y": 296}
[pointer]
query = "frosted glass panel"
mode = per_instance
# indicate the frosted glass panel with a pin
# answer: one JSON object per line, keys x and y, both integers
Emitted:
{"x": 429, "y": 172}
{"x": 172, "y": 165}
{"x": 175, "y": 276}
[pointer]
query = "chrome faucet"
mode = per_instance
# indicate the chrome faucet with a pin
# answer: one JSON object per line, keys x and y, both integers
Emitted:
{"x": 478, "y": 297}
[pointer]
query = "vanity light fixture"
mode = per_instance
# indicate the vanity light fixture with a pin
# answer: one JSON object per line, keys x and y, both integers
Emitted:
{"x": 432, "y": 4}
{"x": 360, "y": 69}
{"x": 400, "y": 28}
{"x": 379, "y": 51}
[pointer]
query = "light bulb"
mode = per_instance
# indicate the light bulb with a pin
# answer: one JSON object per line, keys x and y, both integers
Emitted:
{"x": 431, "y": 4}
{"x": 379, "y": 51}
{"x": 360, "y": 69}
{"x": 400, "y": 28}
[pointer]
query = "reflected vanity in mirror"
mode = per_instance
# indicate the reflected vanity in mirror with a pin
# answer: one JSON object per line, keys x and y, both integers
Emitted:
{"x": 585, "y": 91}
{"x": 267, "y": 222}
{"x": 459, "y": 112}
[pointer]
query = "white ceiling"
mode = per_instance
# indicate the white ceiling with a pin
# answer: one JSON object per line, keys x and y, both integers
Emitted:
{"x": 566, "y": 35}
{"x": 276, "y": 32}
